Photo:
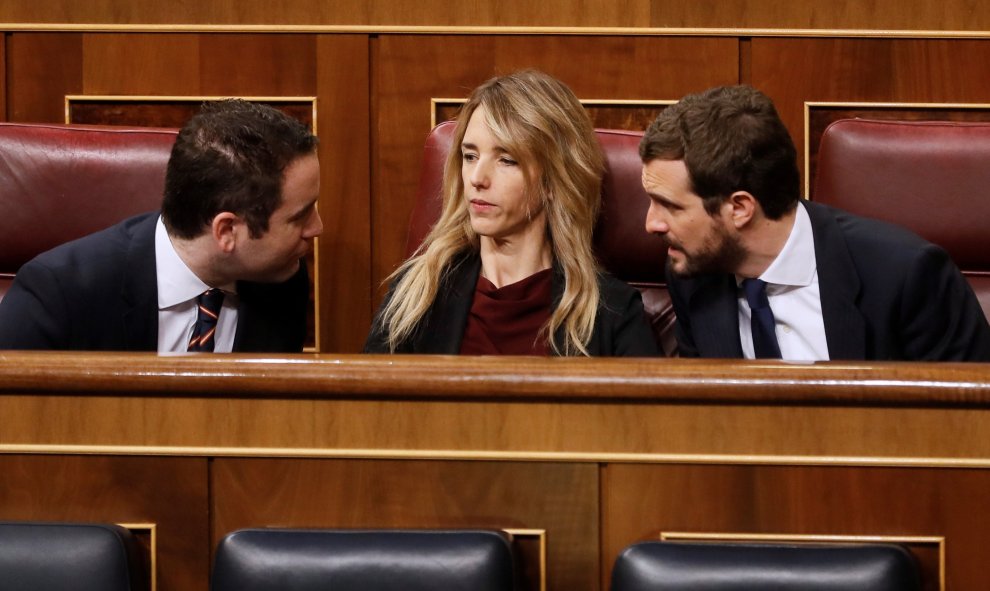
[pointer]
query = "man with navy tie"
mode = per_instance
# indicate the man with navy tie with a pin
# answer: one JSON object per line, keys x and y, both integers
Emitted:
{"x": 218, "y": 270}
{"x": 756, "y": 272}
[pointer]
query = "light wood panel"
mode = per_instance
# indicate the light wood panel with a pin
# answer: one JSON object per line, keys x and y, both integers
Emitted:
{"x": 168, "y": 492}
{"x": 795, "y": 71}
{"x": 560, "y": 498}
{"x": 450, "y": 66}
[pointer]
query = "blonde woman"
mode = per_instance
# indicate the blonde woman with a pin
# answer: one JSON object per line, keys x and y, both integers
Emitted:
{"x": 508, "y": 268}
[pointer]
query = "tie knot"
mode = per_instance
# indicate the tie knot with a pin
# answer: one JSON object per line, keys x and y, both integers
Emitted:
{"x": 756, "y": 293}
{"x": 211, "y": 301}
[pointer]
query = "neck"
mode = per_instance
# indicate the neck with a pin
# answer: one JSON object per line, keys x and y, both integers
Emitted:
{"x": 506, "y": 261}
{"x": 196, "y": 254}
{"x": 764, "y": 239}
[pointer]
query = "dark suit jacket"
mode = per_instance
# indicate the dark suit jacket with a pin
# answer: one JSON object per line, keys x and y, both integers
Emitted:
{"x": 886, "y": 295}
{"x": 100, "y": 293}
{"x": 620, "y": 329}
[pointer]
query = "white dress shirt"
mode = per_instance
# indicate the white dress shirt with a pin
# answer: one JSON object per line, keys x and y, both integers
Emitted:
{"x": 792, "y": 288}
{"x": 178, "y": 288}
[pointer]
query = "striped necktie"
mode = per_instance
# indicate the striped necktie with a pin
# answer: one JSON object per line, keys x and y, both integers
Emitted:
{"x": 208, "y": 311}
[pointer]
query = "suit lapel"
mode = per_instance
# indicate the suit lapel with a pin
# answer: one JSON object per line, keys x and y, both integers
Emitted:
{"x": 139, "y": 292}
{"x": 715, "y": 316}
{"x": 839, "y": 287}
{"x": 447, "y": 318}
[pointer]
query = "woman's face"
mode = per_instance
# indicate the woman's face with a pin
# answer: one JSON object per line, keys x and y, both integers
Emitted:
{"x": 499, "y": 202}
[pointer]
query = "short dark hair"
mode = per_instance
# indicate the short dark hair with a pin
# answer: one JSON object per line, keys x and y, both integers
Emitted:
{"x": 231, "y": 157}
{"x": 731, "y": 139}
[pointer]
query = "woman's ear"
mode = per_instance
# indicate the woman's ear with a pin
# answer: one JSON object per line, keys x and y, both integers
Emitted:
{"x": 225, "y": 229}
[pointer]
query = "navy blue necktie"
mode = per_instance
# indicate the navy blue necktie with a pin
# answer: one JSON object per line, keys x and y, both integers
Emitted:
{"x": 208, "y": 311}
{"x": 764, "y": 335}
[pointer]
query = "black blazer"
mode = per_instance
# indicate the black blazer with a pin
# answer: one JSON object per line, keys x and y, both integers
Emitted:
{"x": 100, "y": 293}
{"x": 886, "y": 295}
{"x": 621, "y": 328}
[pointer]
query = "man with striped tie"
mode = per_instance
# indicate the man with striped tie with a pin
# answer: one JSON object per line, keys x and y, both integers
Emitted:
{"x": 217, "y": 270}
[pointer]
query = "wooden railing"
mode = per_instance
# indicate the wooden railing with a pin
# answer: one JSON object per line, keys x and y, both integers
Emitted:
{"x": 580, "y": 457}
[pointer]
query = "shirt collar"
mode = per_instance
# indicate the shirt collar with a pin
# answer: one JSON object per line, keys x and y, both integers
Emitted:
{"x": 796, "y": 264}
{"x": 176, "y": 282}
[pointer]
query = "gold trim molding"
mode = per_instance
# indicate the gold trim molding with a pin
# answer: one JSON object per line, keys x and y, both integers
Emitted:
{"x": 509, "y": 456}
{"x": 541, "y": 536}
{"x": 938, "y": 541}
{"x": 436, "y": 102}
{"x": 152, "y": 530}
{"x": 493, "y": 30}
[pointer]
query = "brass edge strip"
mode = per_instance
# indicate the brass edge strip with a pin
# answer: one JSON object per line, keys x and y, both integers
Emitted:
{"x": 808, "y": 105}
{"x": 541, "y": 535}
{"x": 494, "y": 30}
{"x": 800, "y": 537}
{"x": 534, "y": 456}
{"x": 152, "y": 528}
{"x": 747, "y": 537}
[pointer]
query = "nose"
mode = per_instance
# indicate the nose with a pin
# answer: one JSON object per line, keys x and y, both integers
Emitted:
{"x": 656, "y": 220}
{"x": 478, "y": 175}
{"x": 315, "y": 226}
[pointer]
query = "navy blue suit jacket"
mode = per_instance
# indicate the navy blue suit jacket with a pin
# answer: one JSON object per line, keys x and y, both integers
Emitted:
{"x": 100, "y": 293}
{"x": 886, "y": 295}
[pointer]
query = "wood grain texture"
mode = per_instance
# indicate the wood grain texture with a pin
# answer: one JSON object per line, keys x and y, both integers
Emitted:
{"x": 42, "y": 68}
{"x": 562, "y": 499}
{"x": 874, "y": 70}
{"x": 169, "y": 492}
{"x": 410, "y": 70}
{"x": 800, "y": 14}
{"x": 639, "y": 502}
{"x": 344, "y": 110}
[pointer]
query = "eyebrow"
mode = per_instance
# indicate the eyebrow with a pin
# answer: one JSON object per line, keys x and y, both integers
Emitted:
{"x": 470, "y": 146}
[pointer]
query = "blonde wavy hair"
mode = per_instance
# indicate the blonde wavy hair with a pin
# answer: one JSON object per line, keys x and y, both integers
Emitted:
{"x": 543, "y": 125}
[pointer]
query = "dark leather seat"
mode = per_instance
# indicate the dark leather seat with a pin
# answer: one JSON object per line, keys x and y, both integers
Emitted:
{"x": 930, "y": 177}
{"x": 621, "y": 242}
{"x": 363, "y": 560}
{"x": 673, "y": 566}
{"x": 69, "y": 556}
{"x": 61, "y": 182}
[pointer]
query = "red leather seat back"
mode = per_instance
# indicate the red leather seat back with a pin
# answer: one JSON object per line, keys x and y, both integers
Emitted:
{"x": 61, "y": 182}
{"x": 622, "y": 245}
{"x": 928, "y": 176}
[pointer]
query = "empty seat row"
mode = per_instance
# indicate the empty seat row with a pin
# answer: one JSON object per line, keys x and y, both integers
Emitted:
{"x": 101, "y": 557}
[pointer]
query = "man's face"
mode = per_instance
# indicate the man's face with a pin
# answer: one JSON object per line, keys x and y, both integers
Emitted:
{"x": 274, "y": 256}
{"x": 697, "y": 242}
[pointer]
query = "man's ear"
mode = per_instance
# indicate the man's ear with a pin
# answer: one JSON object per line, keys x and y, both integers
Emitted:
{"x": 743, "y": 208}
{"x": 224, "y": 229}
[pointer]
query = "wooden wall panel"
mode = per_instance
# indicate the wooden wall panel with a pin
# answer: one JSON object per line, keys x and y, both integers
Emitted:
{"x": 42, "y": 69}
{"x": 168, "y": 492}
{"x": 802, "y": 14}
{"x": 141, "y": 64}
{"x": 3, "y": 76}
{"x": 560, "y": 498}
{"x": 640, "y": 501}
{"x": 344, "y": 98}
{"x": 410, "y": 70}
{"x": 793, "y": 71}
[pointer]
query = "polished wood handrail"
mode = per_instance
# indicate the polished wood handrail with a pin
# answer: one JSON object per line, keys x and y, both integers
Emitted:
{"x": 494, "y": 378}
